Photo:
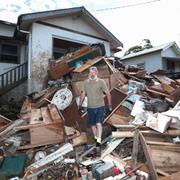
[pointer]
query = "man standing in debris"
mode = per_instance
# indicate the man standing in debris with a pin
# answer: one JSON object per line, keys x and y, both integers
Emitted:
{"x": 94, "y": 89}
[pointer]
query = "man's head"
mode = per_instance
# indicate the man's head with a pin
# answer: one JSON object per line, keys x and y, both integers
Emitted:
{"x": 93, "y": 72}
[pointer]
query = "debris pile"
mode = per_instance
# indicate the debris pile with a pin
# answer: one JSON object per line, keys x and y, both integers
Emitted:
{"x": 51, "y": 140}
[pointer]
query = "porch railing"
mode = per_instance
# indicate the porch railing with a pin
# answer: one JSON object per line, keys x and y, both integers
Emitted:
{"x": 13, "y": 77}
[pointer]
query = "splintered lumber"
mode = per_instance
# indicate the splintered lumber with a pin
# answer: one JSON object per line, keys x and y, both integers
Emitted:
{"x": 10, "y": 129}
{"x": 160, "y": 143}
{"x": 43, "y": 100}
{"x": 117, "y": 98}
{"x": 26, "y": 107}
{"x": 51, "y": 157}
{"x": 4, "y": 122}
{"x": 121, "y": 134}
{"x": 175, "y": 95}
{"x": 110, "y": 66}
{"x": 160, "y": 154}
{"x": 88, "y": 64}
{"x": 130, "y": 134}
{"x": 4, "y": 119}
{"x": 87, "y": 152}
{"x": 46, "y": 126}
{"x": 111, "y": 147}
{"x": 58, "y": 70}
{"x": 135, "y": 148}
{"x": 81, "y": 139}
{"x": 157, "y": 92}
{"x": 166, "y": 157}
{"x": 169, "y": 89}
{"x": 117, "y": 78}
{"x": 148, "y": 156}
{"x": 163, "y": 79}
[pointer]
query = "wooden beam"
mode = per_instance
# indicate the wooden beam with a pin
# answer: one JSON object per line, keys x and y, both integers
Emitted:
{"x": 148, "y": 155}
{"x": 157, "y": 92}
{"x": 160, "y": 143}
{"x": 122, "y": 134}
{"x": 135, "y": 148}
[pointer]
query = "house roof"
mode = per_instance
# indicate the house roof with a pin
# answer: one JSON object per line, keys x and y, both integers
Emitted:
{"x": 152, "y": 50}
{"x": 25, "y": 20}
{"x": 7, "y": 23}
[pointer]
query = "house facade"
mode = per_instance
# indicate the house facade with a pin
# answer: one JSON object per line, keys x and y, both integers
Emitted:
{"x": 166, "y": 57}
{"x": 49, "y": 35}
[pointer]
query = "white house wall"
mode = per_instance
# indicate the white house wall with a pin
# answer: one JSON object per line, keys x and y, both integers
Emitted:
{"x": 152, "y": 61}
{"x": 42, "y": 50}
{"x": 169, "y": 53}
{"x": 6, "y": 30}
{"x": 74, "y": 23}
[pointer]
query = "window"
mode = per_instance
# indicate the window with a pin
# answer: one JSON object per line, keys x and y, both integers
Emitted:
{"x": 9, "y": 53}
{"x": 62, "y": 47}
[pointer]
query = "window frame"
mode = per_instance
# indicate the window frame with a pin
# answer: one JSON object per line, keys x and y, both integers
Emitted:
{"x": 15, "y": 55}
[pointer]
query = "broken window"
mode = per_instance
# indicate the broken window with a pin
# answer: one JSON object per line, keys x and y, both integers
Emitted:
{"x": 9, "y": 53}
{"x": 62, "y": 47}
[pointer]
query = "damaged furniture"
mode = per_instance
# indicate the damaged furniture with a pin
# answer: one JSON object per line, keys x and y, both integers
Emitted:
{"x": 46, "y": 126}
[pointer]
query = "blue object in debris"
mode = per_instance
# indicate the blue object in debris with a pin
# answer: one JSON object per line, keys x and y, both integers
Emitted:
{"x": 13, "y": 165}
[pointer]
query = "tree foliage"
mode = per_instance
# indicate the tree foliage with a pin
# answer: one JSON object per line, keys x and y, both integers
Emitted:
{"x": 146, "y": 44}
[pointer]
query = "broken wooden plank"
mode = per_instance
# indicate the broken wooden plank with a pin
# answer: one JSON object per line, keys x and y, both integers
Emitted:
{"x": 135, "y": 148}
{"x": 111, "y": 146}
{"x": 42, "y": 102}
{"x": 4, "y": 122}
{"x": 163, "y": 79}
{"x": 166, "y": 157}
{"x": 160, "y": 143}
{"x": 157, "y": 92}
{"x": 66, "y": 148}
{"x": 121, "y": 134}
{"x": 117, "y": 98}
{"x": 79, "y": 140}
{"x": 110, "y": 66}
{"x": 149, "y": 158}
{"x": 46, "y": 115}
{"x": 59, "y": 70}
{"x": 10, "y": 129}
{"x": 87, "y": 152}
{"x": 36, "y": 116}
{"x": 88, "y": 64}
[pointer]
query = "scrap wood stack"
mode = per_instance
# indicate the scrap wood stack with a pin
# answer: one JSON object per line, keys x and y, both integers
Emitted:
{"x": 50, "y": 140}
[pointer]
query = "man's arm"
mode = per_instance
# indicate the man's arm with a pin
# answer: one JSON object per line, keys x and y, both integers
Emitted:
{"x": 109, "y": 100}
{"x": 82, "y": 96}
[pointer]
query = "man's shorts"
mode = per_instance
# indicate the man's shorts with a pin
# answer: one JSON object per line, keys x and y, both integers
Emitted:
{"x": 95, "y": 115}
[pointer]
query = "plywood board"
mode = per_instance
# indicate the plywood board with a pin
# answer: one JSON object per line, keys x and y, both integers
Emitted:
{"x": 117, "y": 98}
{"x": 87, "y": 65}
{"x": 166, "y": 157}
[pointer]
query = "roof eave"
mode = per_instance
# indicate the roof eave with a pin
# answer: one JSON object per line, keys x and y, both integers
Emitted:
{"x": 31, "y": 17}
{"x": 123, "y": 59}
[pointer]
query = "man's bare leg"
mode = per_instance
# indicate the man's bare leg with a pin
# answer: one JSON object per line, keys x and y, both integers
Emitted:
{"x": 94, "y": 130}
{"x": 99, "y": 132}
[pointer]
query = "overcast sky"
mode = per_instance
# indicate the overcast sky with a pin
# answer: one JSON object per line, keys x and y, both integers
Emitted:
{"x": 129, "y": 20}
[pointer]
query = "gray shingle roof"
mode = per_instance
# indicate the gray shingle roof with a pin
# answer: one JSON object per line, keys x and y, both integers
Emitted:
{"x": 150, "y": 50}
